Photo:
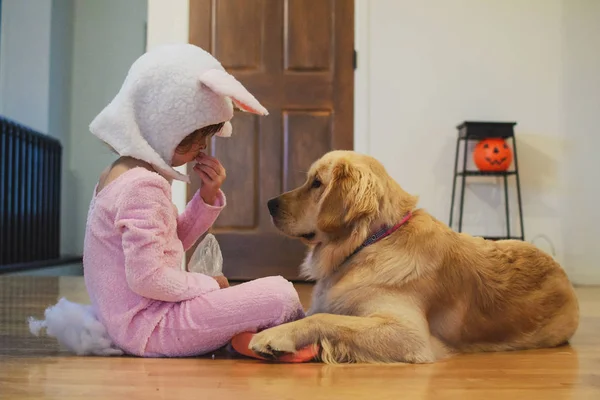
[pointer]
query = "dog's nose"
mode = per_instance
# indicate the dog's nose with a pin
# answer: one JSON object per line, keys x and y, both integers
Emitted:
{"x": 273, "y": 205}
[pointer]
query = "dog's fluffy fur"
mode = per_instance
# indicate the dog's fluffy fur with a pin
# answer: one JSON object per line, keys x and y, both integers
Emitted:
{"x": 418, "y": 295}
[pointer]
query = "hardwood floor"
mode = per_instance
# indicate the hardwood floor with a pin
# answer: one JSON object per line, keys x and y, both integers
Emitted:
{"x": 35, "y": 368}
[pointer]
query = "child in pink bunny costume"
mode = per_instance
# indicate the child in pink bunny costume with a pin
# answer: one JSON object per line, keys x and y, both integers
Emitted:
{"x": 173, "y": 100}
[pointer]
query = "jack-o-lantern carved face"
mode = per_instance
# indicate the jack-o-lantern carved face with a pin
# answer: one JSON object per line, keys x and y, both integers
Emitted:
{"x": 492, "y": 155}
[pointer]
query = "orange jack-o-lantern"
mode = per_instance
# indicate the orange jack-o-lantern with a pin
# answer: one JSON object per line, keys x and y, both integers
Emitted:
{"x": 492, "y": 155}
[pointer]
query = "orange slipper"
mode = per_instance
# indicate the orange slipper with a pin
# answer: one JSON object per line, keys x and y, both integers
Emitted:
{"x": 241, "y": 341}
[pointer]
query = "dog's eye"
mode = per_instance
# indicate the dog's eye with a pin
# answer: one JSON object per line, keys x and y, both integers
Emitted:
{"x": 316, "y": 183}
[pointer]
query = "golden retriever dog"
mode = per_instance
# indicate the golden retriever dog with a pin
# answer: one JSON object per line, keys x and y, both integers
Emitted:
{"x": 417, "y": 295}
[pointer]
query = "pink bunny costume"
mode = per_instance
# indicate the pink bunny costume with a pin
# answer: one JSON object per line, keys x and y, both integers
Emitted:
{"x": 135, "y": 240}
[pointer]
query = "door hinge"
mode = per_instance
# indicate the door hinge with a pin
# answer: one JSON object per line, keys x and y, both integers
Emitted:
{"x": 355, "y": 59}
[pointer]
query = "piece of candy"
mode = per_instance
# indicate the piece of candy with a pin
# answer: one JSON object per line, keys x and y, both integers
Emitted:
{"x": 241, "y": 341}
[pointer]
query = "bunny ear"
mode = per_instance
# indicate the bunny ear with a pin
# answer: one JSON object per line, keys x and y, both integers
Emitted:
{"x": 225, "y": 84}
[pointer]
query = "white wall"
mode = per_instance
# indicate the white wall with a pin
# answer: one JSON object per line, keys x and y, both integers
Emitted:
{"x": 581, "y": 103}
{"x": 432, "y": 64}
{"x": 25, "y": 62}
{"x": 61, "y": 55}
{"x": 109, "y": 35}
{"x": 168, "y": 22}
{"x": 59, "y": 105}
{"x": 35, "y": 73}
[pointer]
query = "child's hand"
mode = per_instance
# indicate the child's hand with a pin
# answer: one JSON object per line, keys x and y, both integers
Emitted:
{"x": 222, "y": 281}
{"x": 212, "y": 174}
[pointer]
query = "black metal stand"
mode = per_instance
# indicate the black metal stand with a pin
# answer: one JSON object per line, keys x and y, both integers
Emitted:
{"x": 475, "y": 131}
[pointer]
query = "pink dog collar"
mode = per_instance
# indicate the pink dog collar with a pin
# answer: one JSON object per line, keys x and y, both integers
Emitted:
{"x": 380, "y": 234}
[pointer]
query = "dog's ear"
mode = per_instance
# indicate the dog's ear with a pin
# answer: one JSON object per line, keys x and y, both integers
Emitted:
{"x": 353, "y": 194}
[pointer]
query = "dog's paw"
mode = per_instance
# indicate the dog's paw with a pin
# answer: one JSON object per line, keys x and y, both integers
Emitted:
{"x": 273, "y": 343}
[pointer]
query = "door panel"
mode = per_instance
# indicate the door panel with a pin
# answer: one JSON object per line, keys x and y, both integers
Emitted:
{"x": 296, "y": 57}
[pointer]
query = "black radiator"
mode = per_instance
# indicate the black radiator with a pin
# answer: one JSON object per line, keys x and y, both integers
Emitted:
{"x": 30, "y": 178}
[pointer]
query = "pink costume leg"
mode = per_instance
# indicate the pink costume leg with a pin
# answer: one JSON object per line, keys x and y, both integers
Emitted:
{"x": 207, "y": 323}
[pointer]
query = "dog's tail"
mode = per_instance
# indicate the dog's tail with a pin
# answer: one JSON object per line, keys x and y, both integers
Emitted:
{"x": 76, "y": 328}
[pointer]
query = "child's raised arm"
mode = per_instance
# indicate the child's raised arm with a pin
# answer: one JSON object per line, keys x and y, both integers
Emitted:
{"x": 207, "y": 203}
{"x": 148, "y": 221}
{"x": 197, "y": 218}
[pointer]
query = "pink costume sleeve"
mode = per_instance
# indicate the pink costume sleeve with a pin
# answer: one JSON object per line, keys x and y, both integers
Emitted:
{"x": 153, "y": 253}
{"x": 197, "y": 218}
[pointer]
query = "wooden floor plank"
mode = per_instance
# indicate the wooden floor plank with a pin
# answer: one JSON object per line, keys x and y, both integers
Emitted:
{"x": 34, "y": 368}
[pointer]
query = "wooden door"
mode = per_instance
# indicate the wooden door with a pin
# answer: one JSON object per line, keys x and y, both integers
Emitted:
{"x": 297, "y": 58}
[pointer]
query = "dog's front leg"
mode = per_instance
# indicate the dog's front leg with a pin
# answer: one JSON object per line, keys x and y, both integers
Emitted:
{"x": 374, "y": 338}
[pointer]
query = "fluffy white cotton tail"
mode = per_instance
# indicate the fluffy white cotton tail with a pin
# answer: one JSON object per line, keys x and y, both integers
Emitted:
{"x": 76, "y": 327}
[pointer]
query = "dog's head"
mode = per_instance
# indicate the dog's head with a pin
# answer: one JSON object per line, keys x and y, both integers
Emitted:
{"x": 345, "y": 193}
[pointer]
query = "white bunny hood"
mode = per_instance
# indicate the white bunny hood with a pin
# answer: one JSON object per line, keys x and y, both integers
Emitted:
{"x": 170, "y": 92}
